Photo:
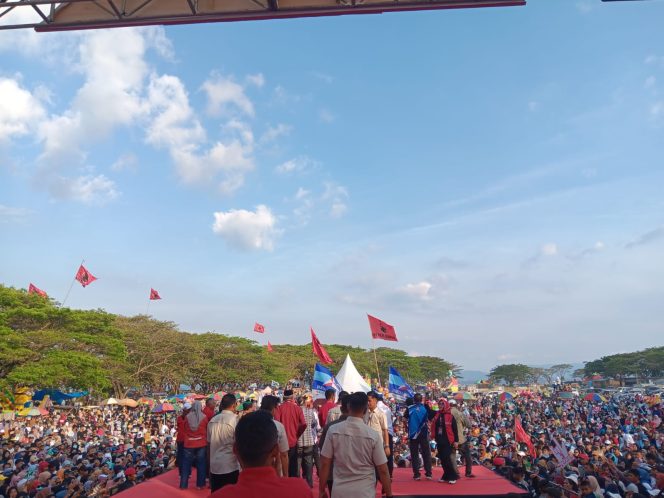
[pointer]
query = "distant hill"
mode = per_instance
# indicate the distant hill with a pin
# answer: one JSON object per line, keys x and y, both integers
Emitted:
{"x": 472, "y": 376}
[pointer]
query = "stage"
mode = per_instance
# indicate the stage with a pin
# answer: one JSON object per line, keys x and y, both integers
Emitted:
{"x": 486, "y": 484}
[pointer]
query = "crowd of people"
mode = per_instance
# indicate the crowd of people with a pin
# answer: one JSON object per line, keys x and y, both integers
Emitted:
{"x": 349, "y": 443}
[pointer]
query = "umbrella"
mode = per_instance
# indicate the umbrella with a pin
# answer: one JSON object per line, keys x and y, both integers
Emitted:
{"x": 111, "y": 401}
{"x": 128, "y": 402}
{"x": 163, "y": 408}
{"x": 461, "y": 396}
{"x": 594, "y": 397}
{"x": 172, "y": 399}
{"x": 199, "y": 396}
{"x": 506, "y": 396}
{"x": 240, "y": 395}
{"x": 566, "y": 395}
{"x": 146, "y": 401}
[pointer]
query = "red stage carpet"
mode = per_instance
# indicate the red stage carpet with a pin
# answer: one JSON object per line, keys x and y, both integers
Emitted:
{"x": 486, "y": 484}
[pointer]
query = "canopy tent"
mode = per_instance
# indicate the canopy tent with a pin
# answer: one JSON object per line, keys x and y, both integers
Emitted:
{"x": 350, "y": 379}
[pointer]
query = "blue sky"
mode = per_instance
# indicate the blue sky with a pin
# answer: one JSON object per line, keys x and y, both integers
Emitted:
{"x": 488, "y": 180}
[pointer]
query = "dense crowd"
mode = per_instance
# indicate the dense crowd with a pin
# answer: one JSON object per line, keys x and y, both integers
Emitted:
{"x": 609, "y": 449}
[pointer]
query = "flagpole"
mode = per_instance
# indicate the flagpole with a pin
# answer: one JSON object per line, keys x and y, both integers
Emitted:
{"x": 71, "y": 285}
{"x": 373, "y": 341}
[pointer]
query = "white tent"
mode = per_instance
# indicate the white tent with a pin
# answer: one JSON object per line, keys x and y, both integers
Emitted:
{"x": 350, "y": 379}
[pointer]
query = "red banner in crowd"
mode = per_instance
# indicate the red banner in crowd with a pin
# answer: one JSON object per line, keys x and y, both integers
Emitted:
{"x": 154, "y": 295}
{"x": 33, "y": 289}
{"x": 84, "y": 277}
{"x": 259, "y": 328}
{"x": 319, "y": 350}
{"x": 382, "y": 330}
{"x": 523, "y": 437}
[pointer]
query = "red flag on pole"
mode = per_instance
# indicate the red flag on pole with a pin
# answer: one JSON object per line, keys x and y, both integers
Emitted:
{"x": 382, "y": 330}
{"x": 154, "y": 295}
{"x": 319, "y": 350}
{"x": 523, "y": 437}
{"x": 84, "y": 276}
{"x": 33, "y": 289}
{"x": 259, "y": 328}
{"x": 269, "y": 347}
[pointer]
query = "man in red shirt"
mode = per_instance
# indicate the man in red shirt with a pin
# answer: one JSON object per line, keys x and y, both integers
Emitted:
{"x": 256, "y": 448}
{"x": 291, "y": 416}
{"x": 329, "y": 404}
{"x": 209, "y": 410}
{"x": 179, "y": 436}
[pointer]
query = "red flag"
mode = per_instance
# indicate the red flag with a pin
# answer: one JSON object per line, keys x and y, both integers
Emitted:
{"x": 33, "y": 289}
{"x": 523, "y": 437}
{"x": 154, "y": 295}
{"x": 382, "y": 330}
{"x": 319, "y": 350}
{"x": 84, "y": 276}
{"x": 259, "y": 328}
{"x": 269, "y": 347}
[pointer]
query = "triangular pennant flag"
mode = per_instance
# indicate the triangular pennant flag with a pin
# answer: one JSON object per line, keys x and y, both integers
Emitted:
{"x": 154, "y": 295}
{"x": 269, "y": 347}
{"x": 33, "y": 289}
{"x": 84, "y": 276}
{"x": 259, "y": 328}
{"x": 319, "y": 350}
{"x": 381, "y": 330}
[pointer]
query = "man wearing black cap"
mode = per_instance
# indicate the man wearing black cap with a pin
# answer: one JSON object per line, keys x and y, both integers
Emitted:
{"x": 291, "y": 416}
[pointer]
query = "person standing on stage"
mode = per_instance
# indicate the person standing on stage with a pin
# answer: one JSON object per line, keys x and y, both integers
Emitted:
{"x": 446, "y": 434}
{"x": 418, "y": 436}
{"x": 390, "y": 433}
{"x": 292, "y": 418}
{"x": 223, "y": 465}
{"x": 462, "y": 423}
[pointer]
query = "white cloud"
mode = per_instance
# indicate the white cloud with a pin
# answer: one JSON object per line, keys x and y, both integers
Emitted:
{"x": 126, "y": 162}
{"x": 274, "y": 132}
{"x": 301, "y": 193}
{"x": 654, "y": 59}
{"x": 20, "y": 110}
{"x": 87, "y": 189}
{"x": 247, "y": 230}
{"x": 225, "y": 95}
{"x": 9, "y": 214}
{"x": 257, "y": 80}
{"x": 533, "y": 105}
{"x": 298, "y": 164}
{"x": 650, "y": 82}
{"x": 338, "y": 195}
{"x": 657, "y": 109}
{"x": 420, "y": 290}
{"x": 549, "y": 249}
{"x": 176, "y": 128}
{"x": 324, "y": 77}
{"x": 326, "y": 116}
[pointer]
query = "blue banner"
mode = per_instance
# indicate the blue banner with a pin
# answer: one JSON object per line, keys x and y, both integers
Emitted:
{"x": 398, "y": 386}
{"x": 324, "y": 380}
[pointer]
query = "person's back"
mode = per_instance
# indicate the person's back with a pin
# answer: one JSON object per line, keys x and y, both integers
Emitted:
{"x": 356, "y": 451}
{"x": 256, "y": 447}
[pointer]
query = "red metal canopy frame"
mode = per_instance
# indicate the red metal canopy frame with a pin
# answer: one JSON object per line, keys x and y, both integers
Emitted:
{"x": 50, "y": 15}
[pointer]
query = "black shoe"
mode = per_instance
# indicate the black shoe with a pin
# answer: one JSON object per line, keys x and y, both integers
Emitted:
{"x": 470, "y": 475}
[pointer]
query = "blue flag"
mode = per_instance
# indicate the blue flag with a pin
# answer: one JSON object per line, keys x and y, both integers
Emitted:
{"x": 324, "y": 380}
{"x": 398, "y": 386}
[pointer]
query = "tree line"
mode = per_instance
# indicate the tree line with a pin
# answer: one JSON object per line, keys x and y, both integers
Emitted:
{"x": 43, "y": 345}
{"x": 645, "y": 364}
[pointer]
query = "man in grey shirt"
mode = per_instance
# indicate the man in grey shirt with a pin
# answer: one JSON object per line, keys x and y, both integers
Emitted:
{"x": 223, "y": 465}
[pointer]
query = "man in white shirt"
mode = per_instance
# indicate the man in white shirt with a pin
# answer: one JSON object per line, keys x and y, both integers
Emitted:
{"x": 390, "y": 434}
{"x": 357, "y": 451}
{"x": 223, "y": 465}
{"x": 270, "y": 403}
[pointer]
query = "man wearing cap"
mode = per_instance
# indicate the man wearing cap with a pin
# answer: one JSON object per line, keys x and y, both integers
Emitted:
{"x": 462, "y": 422}
{"x": 224, "y": 467}
{"x": 291, "y": 416}
{"x": 307, "y": 441}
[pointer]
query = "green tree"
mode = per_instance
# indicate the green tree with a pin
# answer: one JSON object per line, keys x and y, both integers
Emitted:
{"x": 511, "y": 373}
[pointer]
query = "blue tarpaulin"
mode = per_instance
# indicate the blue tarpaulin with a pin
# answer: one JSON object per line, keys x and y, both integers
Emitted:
{"x": 57, "y": 396}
